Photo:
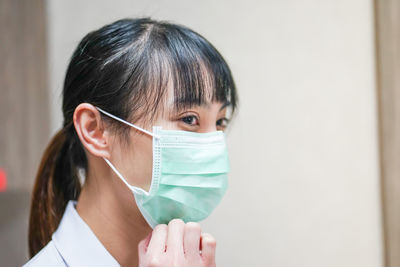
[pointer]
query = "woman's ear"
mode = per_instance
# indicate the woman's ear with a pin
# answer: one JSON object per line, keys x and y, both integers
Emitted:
{"x": 89, "y": 127}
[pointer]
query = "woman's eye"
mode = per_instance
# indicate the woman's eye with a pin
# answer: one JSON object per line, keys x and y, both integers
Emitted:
{"x": 190, "y": 120}
{"x": 222, "y": 123}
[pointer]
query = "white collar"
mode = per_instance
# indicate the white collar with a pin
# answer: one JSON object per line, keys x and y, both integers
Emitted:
{"x": 77, "y": 244}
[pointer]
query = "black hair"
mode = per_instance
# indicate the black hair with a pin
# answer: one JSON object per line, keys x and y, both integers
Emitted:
{"x": 124, "y": 68}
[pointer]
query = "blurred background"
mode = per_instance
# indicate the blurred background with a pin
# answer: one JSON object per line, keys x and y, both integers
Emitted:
{"x": 313, "y": 149}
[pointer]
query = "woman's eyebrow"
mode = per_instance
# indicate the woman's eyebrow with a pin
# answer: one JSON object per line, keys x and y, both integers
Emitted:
{"x": 226, "y": 104}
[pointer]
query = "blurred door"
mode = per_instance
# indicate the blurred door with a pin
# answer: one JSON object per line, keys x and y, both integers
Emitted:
{"x": 23, "y": 118}
{"x": 388, "y": 69}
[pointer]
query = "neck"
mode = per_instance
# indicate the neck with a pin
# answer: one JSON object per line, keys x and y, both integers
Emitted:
{"x": 112, "y": 214}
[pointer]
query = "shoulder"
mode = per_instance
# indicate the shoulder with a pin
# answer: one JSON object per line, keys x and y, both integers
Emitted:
{"x": 47, "y": 256}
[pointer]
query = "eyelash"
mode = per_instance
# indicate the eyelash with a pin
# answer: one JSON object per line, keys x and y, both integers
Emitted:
{"x": 219, "y": 122}
{"x": 186, "y": 117}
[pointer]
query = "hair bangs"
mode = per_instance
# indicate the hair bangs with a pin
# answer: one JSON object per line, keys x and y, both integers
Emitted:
{"x": 174, "y": 57}
{"x": 199, "y": 73}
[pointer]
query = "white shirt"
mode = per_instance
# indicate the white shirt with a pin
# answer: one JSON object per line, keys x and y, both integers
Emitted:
{"x": 73, "y": 244}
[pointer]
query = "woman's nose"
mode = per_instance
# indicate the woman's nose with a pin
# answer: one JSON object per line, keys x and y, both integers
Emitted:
{"x": 207, "y": 128}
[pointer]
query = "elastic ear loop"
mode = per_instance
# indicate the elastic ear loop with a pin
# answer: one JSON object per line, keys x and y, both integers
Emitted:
{"x": 133, "y": 188}
{"x": 128, "y": 123}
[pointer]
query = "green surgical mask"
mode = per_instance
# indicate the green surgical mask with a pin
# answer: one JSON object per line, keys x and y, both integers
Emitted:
{"x": 189, "y": 175}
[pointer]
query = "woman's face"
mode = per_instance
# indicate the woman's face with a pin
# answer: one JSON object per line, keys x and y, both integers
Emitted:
{"x": 134, "y": 158}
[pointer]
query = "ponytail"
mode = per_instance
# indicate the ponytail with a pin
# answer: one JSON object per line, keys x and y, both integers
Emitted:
{"x": 56, "y": 183}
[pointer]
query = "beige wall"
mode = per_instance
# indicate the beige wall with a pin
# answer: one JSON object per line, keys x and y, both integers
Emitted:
{"x": 304, "y": 189}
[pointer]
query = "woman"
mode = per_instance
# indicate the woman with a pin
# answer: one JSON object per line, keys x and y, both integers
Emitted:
{"x": 141, "y": 157}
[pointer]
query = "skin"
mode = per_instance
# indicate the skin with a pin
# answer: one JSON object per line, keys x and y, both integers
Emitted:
{"x": 108, "y": 206}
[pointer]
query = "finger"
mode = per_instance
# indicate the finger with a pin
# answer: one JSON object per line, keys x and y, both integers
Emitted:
{"x": 208, "y": 246}
{"x": 191, "y": 239}
{"x": 143, "y": 244}
{"x": 158, "y": 239}
{"x": 175, "y": 236}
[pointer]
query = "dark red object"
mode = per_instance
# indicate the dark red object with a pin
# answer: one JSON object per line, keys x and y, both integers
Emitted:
{"x": 3, "y": 180}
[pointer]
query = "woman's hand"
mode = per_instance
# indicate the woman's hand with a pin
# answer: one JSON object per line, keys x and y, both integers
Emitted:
{"x": 177, "y": 245}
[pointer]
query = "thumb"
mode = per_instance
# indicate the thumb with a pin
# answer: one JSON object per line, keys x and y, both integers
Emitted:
{"x": 143, "y": 244}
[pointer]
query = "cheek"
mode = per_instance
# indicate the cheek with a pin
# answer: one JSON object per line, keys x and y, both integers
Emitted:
{"x": 136, "y": 161}
{"x": 167, "y": 124}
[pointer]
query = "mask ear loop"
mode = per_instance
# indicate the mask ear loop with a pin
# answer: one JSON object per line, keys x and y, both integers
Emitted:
{"x": 128, "y": 123}
{"x": 133, "y": 188}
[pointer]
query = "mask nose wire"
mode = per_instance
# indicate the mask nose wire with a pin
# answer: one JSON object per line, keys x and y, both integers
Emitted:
{"x": 127, "y": 123}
